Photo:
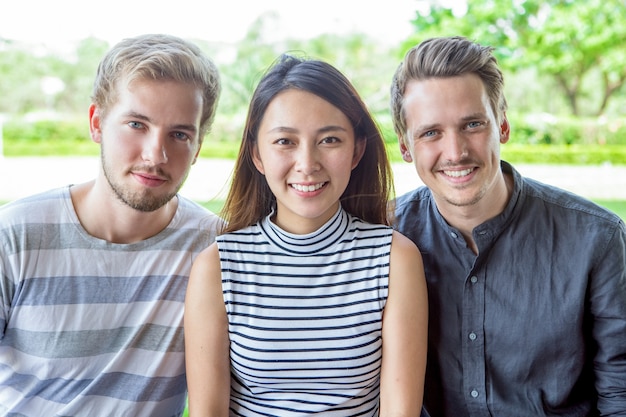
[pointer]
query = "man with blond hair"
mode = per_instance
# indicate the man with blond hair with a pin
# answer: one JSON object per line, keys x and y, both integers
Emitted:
{"x": 93, "y": 275}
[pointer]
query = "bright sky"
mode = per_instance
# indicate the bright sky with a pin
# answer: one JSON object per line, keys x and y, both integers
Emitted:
{"x": 61, "y": 23}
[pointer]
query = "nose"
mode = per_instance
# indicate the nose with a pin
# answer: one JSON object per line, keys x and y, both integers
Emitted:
{"x": 456, "y": 146}
{"x": 154, "y": 149}
{"x": 307, "y": 160}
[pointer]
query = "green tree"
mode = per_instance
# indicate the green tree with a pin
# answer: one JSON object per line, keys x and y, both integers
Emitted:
{"x": 367, "y": 63}
{"x": 581, "y": 45}
{"x": 20, "y": 79}
{"x": 78, "y": 73}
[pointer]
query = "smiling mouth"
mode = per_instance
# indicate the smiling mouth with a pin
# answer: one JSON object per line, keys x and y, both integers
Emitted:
{"x": 308, "y": 188}
{"x": 458, "y": 174}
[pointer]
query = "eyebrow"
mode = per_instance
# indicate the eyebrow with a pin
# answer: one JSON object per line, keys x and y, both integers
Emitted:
{"x": 182, "y": 126}
{"x": 474, "y": 116}
{"x": 424, "y": 128}
{"x": 469, "y": 117}
{"x": 325, "y": 129}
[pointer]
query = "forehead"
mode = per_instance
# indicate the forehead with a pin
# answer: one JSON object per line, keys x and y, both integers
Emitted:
{"x": 295, "y": 107}
{"x": 448, "y": 97}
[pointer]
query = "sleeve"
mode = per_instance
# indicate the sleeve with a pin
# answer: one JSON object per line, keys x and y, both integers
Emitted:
{"x": 7, "y": 287}
{"x": 607, "y": 303}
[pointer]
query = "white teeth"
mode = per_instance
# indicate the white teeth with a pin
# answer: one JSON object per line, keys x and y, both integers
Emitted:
{"x": 308, "y": 188}
{"x": 458, "y": 174}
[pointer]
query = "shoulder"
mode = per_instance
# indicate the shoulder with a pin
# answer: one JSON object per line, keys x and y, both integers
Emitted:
{"x": 403, "y": 246}
{"x": 357, "y": 225}
{"x": 564, "y": 203}
{"x": 405, "y": 257}
{"x": 204, "y": 286}
{"x": 35, "y": 208}
{"x": 415, "y": 211}
{"x": 207, "y": 257}
{"x": 196, "y": 215}
{"x": 411, "y": 201}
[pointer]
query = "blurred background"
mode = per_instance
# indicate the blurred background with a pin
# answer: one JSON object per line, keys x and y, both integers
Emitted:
{"x": 564, "y": 64}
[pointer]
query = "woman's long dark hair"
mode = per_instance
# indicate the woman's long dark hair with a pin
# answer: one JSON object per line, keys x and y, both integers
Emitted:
{"x": 371, "y": 185}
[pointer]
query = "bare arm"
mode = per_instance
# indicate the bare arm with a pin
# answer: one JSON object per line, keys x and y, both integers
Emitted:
{"x": 206, "y": 338}
{"x": 405, "y": 332}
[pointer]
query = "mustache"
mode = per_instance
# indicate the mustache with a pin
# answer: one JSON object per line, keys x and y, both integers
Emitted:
{"x": 151, "y": 170}
{"x": 463, "y": 162}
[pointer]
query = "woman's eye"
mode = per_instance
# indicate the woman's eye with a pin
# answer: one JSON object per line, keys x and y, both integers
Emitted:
{"x": 331, "y": 139}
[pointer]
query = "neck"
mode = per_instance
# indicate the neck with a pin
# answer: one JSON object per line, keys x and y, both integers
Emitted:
{"x": 467, "y": 218}
{"x": 110, "y": 219}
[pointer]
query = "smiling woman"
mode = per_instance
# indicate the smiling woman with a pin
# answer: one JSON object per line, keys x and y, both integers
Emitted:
{"x": 285, "y": 310}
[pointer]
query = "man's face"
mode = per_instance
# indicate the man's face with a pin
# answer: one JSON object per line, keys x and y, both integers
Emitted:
{"x": 149, "y": 140}
{"x": 453, "y": 138}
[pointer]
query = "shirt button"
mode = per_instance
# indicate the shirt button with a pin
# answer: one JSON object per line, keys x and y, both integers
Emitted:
{"x": 474, "y": 394}
{"x": 454, "y": 235}
{"x": 474, "y": 279}
{"x": 472, "y": 336}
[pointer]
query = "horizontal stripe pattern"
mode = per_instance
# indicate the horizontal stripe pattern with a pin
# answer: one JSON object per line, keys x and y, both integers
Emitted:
{"x": 90, "y": 327}
{"x": 305, "y": 316}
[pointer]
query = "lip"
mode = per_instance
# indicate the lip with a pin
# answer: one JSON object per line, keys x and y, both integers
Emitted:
{"x": 149, "y": 180}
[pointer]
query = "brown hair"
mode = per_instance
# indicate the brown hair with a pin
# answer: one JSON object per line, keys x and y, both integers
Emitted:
{"x": 447, "y": 57}
{"x": 158, "y": 57}
{"x": 250, "y": 198}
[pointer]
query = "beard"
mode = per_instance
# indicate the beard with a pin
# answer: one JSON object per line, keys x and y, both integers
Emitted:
{"x": 144, "y": 201}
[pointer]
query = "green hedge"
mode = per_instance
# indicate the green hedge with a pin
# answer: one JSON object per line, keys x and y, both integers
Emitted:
{"x": 533, "y": 140}
{"x": 545, "y": 129}
{"x": 47, "y": 138}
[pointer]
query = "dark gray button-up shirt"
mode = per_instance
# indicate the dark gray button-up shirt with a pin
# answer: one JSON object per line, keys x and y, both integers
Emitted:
{"x": 535, "y": 325}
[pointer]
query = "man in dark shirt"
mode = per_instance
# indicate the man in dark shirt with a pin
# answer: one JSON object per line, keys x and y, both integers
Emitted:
{"x": 527, "y": 282}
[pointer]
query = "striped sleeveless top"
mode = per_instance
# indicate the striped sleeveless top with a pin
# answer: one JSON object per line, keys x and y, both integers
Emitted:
{"x": 305, "y": 317}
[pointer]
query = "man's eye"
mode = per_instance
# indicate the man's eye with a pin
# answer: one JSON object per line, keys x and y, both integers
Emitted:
{"x": 181, "y": 136}
{"x": 472, "y": 125}
{"x": 135, "y": 125}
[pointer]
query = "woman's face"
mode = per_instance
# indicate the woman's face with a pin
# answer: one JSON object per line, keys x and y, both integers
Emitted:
{"x": 306, "y": 150}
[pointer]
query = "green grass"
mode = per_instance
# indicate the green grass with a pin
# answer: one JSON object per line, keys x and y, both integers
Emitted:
{"x": 214, "y": 205}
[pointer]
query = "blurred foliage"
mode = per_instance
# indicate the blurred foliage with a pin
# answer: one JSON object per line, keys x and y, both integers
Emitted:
{"x": 580, "y": 46}
{"x": 563, "y": 62}
{"x": 44, "y": 83}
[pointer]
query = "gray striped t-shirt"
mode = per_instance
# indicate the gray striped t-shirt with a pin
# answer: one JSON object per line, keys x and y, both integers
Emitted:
{"x": 89, "y": 327}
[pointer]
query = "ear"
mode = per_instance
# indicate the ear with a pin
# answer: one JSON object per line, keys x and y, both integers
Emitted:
{"x": 359, "y": 151}
{"x": 256, "y": 159}
{"x": 404, "y": 150}
{"x": 95, "y": 121}
{"x": 505, "y": 129}
{"x": 195, "y": 157}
